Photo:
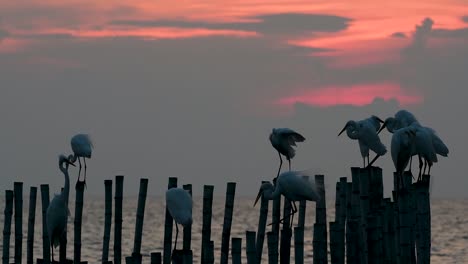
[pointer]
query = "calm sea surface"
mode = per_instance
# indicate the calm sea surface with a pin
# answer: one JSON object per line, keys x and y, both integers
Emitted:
{"x": 449, "y": 228}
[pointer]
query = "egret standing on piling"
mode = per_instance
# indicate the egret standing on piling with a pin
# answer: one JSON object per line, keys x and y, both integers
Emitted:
{"x": 82, "y": 147}
{"x": 402, "y": 149}
{"x": 293, "y": 186}
{"x": 283, "y": 140}
{"x": 365, "y": 131}
{"x": 179, "y": 204}
{"x": 57, "y": 212}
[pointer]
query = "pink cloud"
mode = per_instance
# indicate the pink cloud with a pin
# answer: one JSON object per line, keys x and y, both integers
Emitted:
{"x": 357, "y": 95}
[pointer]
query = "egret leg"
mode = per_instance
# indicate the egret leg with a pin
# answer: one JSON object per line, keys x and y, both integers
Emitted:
{"x": 420, "y": 167}
{"x": 176, "y": 234}
{"x": 84, "y": 159}
{"x": 281, "y": 163}
{"x": 372, "y": 162}
{"x": 294, "y": 210}
{"x": 425, "y": 166}
{"x": 52, "y": 249}
{"x": 429, "y": 172}
{"x": 79, "y": 170}
{"x": 410, "y": 160}
{"x": 289, "y": 161}
{"x": 363, "y": 162}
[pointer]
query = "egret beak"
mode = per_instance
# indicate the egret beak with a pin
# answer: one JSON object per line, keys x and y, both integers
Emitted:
{"x": 258, "y": 196}
{"x": 380, "y": 120}
{"x": 344, "y": 128}
{"x": 70, "y": 163}
{"x": 382, "y": 128}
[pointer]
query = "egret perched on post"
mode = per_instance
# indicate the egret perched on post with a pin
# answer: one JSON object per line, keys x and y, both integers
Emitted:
{"x": 179, "y": 204}
{"x": 82, "y": 147}
{"x": 365, "y": 132}
{"x": 402, "y": 149}
{"x": 57, "y": 212}
{"x": 293, "y": 186}
{"x": 283, "y": 140}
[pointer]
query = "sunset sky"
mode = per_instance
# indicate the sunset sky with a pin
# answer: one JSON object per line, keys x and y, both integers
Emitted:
{"x": 192, "y": 88}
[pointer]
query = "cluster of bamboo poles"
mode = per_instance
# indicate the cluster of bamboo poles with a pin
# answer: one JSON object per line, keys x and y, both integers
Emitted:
{"x": 367, "y": 227}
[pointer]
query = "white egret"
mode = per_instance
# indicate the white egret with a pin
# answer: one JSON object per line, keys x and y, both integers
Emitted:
{"x": 293, "y": 186}
{"x": 179, "y": 204}
{"x": 402, "y": 149}
{"x": 365, "y": 131}
{"x": 283, "y": 140}
{"x": 82, "y": 147}
{"x": 57, "y": 212}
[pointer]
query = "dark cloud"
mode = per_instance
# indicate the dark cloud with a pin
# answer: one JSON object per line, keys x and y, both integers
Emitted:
{"x": 464, "y": 19}
{"x": 450, "y": 33}
{"x": 419, "y": 38}
{"x": 398, "y": 35}
{"x": 289, "y": 23}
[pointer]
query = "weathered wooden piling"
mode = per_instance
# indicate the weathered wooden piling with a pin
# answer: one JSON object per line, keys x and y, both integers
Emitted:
{"x": 334, "y": 237}
{"x": 320, "y": 226}
{"x": 276, "y": 215}
{"x": 206, "y": 224}
{"x": 285, "y": 245}
{"x": 188, "y": 256}
{"x": 236, "y": 251}
{"x": 45, "y": 235}
{"x": 107, "y": 220}
{"x": 299, "y": 245}
{"x": 187, "y": 240}
{"x": 209, "y": 253}
{"x": 118, "y": 219}
{"x": 31, "y": 222}
{"x": 388, "y": 233}
{"x": 261, "y": 227}
{"x": 64, "y": 239}
{"x": 341, "y": 220}
{"x": 405, "y": 225}
{"x": 272, "y": 241}
{"x": 354, "y": 220}
{"x": 136, "y": 254}
{"x": 372, "y": 240}
{"x": 18, "y": 192}
{"x": 7, "y": 226}
{"x": 155, "y": 257}
{"x": 250, "y": 247}
{"x": 364, "y": 204}
{"x": 228, "y": 210}
{"x": 424, "y": 220}
{"x": 78, "y": 215}
{"x": 167, "y": 251}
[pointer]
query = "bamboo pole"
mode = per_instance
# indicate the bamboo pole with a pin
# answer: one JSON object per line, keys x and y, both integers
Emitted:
{"x": 405, "y": 225}
{"x": 396, "y": 226}
{"x": 334, "y": 237}
{"x": 272, "y": 241}
{"x": 276, "y": 215}
{"x": 285, "y": 245}
{"x": 372, "y": 240}
{"x": 188, "y": 229}
{"x": 236, "y": 251}
{"x": 299, "y": 245}
{"x": 355, "y": 219}
{"x": 210, "y": 252}
{"x": 167, "y": 251}
{"x": 18, "y": 192}
{"x": 78, "y": 215}
{"x": 107, "y": 220}
{"x": 364, "y": 181}
{"x": 188, "y": 256}
{"x": 177, "y": 256}
{"x": 64, "y": 238}
{"x": 155, "y": 257}
{"x": 31, "y": 221}
{"x": 228, "y": 210}
{"x": 139, "y": 220}
{"x": 206, "y": 225}
{"x": 424, "y": 220}
{"x": 118, "y": 219}
{"x": 250, "y": 247}
{"x": 45, "y": 235}
{"x": 320, "y": 226}
{"x": 302, "y": 210}
{"x": 341, "y": 220}
{"x": 261, "y": 227}
{"x": 388, "y": 233}
{"x": 7, "y": 226}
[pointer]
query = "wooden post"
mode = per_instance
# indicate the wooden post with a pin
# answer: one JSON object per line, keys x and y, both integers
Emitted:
{"x": 206, "y": 225}
{"x": 7, "y": 226}
{"x": 236, "y": 251}
{"x": 272, "y": 241}
{"x": 31, "y": 221}
{"x": 396, "y": 226}
{"x": 167, "y": 252}
{"x": 320, "y": 226}
{"x": 188, "y": 229}
{"x": 118, "y": 219}
{"x": 372, "y": 240}
{"x": 107, "y": 220}
{"x": 334, "y": 237}
{"x": 299, "y": 245}
{"x": 155, "y": 257}
{"x": 228, "y": 209}
{"x": 424, "y": 220}
{"x": 405, "y": 225}
{"x": 64, "y": 237}
{"x": 388, "y": 233}
{"x": 78, "y": 215}
{"x": 45, "y": 235}
{"x": 341, "y": 220}
{"x": 250, "y": 247}
{"x": 355, "y": 219}
{"x": 302, "y": 210}
{"x": 188, "y": 256}
{"x": 285, "y": 245}
{"x": 136, "y": 255}
{"x": 364, "y": 181}
{"x": 210, "y": 252}
{"x": 261, "y": 227}
{"x": 18, "y": 192}
{"x": 276, "y": 215}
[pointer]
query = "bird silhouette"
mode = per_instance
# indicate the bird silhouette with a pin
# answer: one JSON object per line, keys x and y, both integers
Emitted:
{"x": 179, "y": 204}
{"x": 283, "y": 140}
{"x": 82, "y": 147}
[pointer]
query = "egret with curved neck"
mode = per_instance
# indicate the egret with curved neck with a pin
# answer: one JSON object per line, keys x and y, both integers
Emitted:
{"x": 57, "y": 212}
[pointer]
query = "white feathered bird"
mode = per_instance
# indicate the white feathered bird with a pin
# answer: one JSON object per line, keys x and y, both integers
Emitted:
{"x": 293, "y": 186}
{"x": 57, "y": 212}
{"x": 82, "y": 147}
{"x": 401, "y": 149}
{"x": 179, "y": 204}
{"x": 283, "y": 140}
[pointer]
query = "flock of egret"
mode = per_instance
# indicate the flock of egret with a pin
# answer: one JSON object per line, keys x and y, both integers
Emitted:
{"x": 409, "y": 139}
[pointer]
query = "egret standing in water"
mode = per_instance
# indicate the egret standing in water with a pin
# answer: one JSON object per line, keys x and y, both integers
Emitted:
{"x": 179, "y": 204}
{"x": 365, "y": 132}
{"x": 82, "y": 147}
{"x": 57, "y": 212}
{"x": 293, "y": 186}
{"x": 283, "y": 140}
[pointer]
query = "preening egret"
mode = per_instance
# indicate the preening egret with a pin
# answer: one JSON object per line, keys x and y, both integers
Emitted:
{"x": 179, "y": 204}
{"x": 293, "y": 186}
{"x": 57, "y": 212}
{"x": 82, "y": 147}
{"x": 402, "y": 149}
{"x": 365, "y": 131}
{"x": 283, "y": 140}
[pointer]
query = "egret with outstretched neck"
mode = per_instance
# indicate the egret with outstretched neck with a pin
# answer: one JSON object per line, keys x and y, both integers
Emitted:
{"x": 283, "y": 140}
{"x": 57, "y": 212}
